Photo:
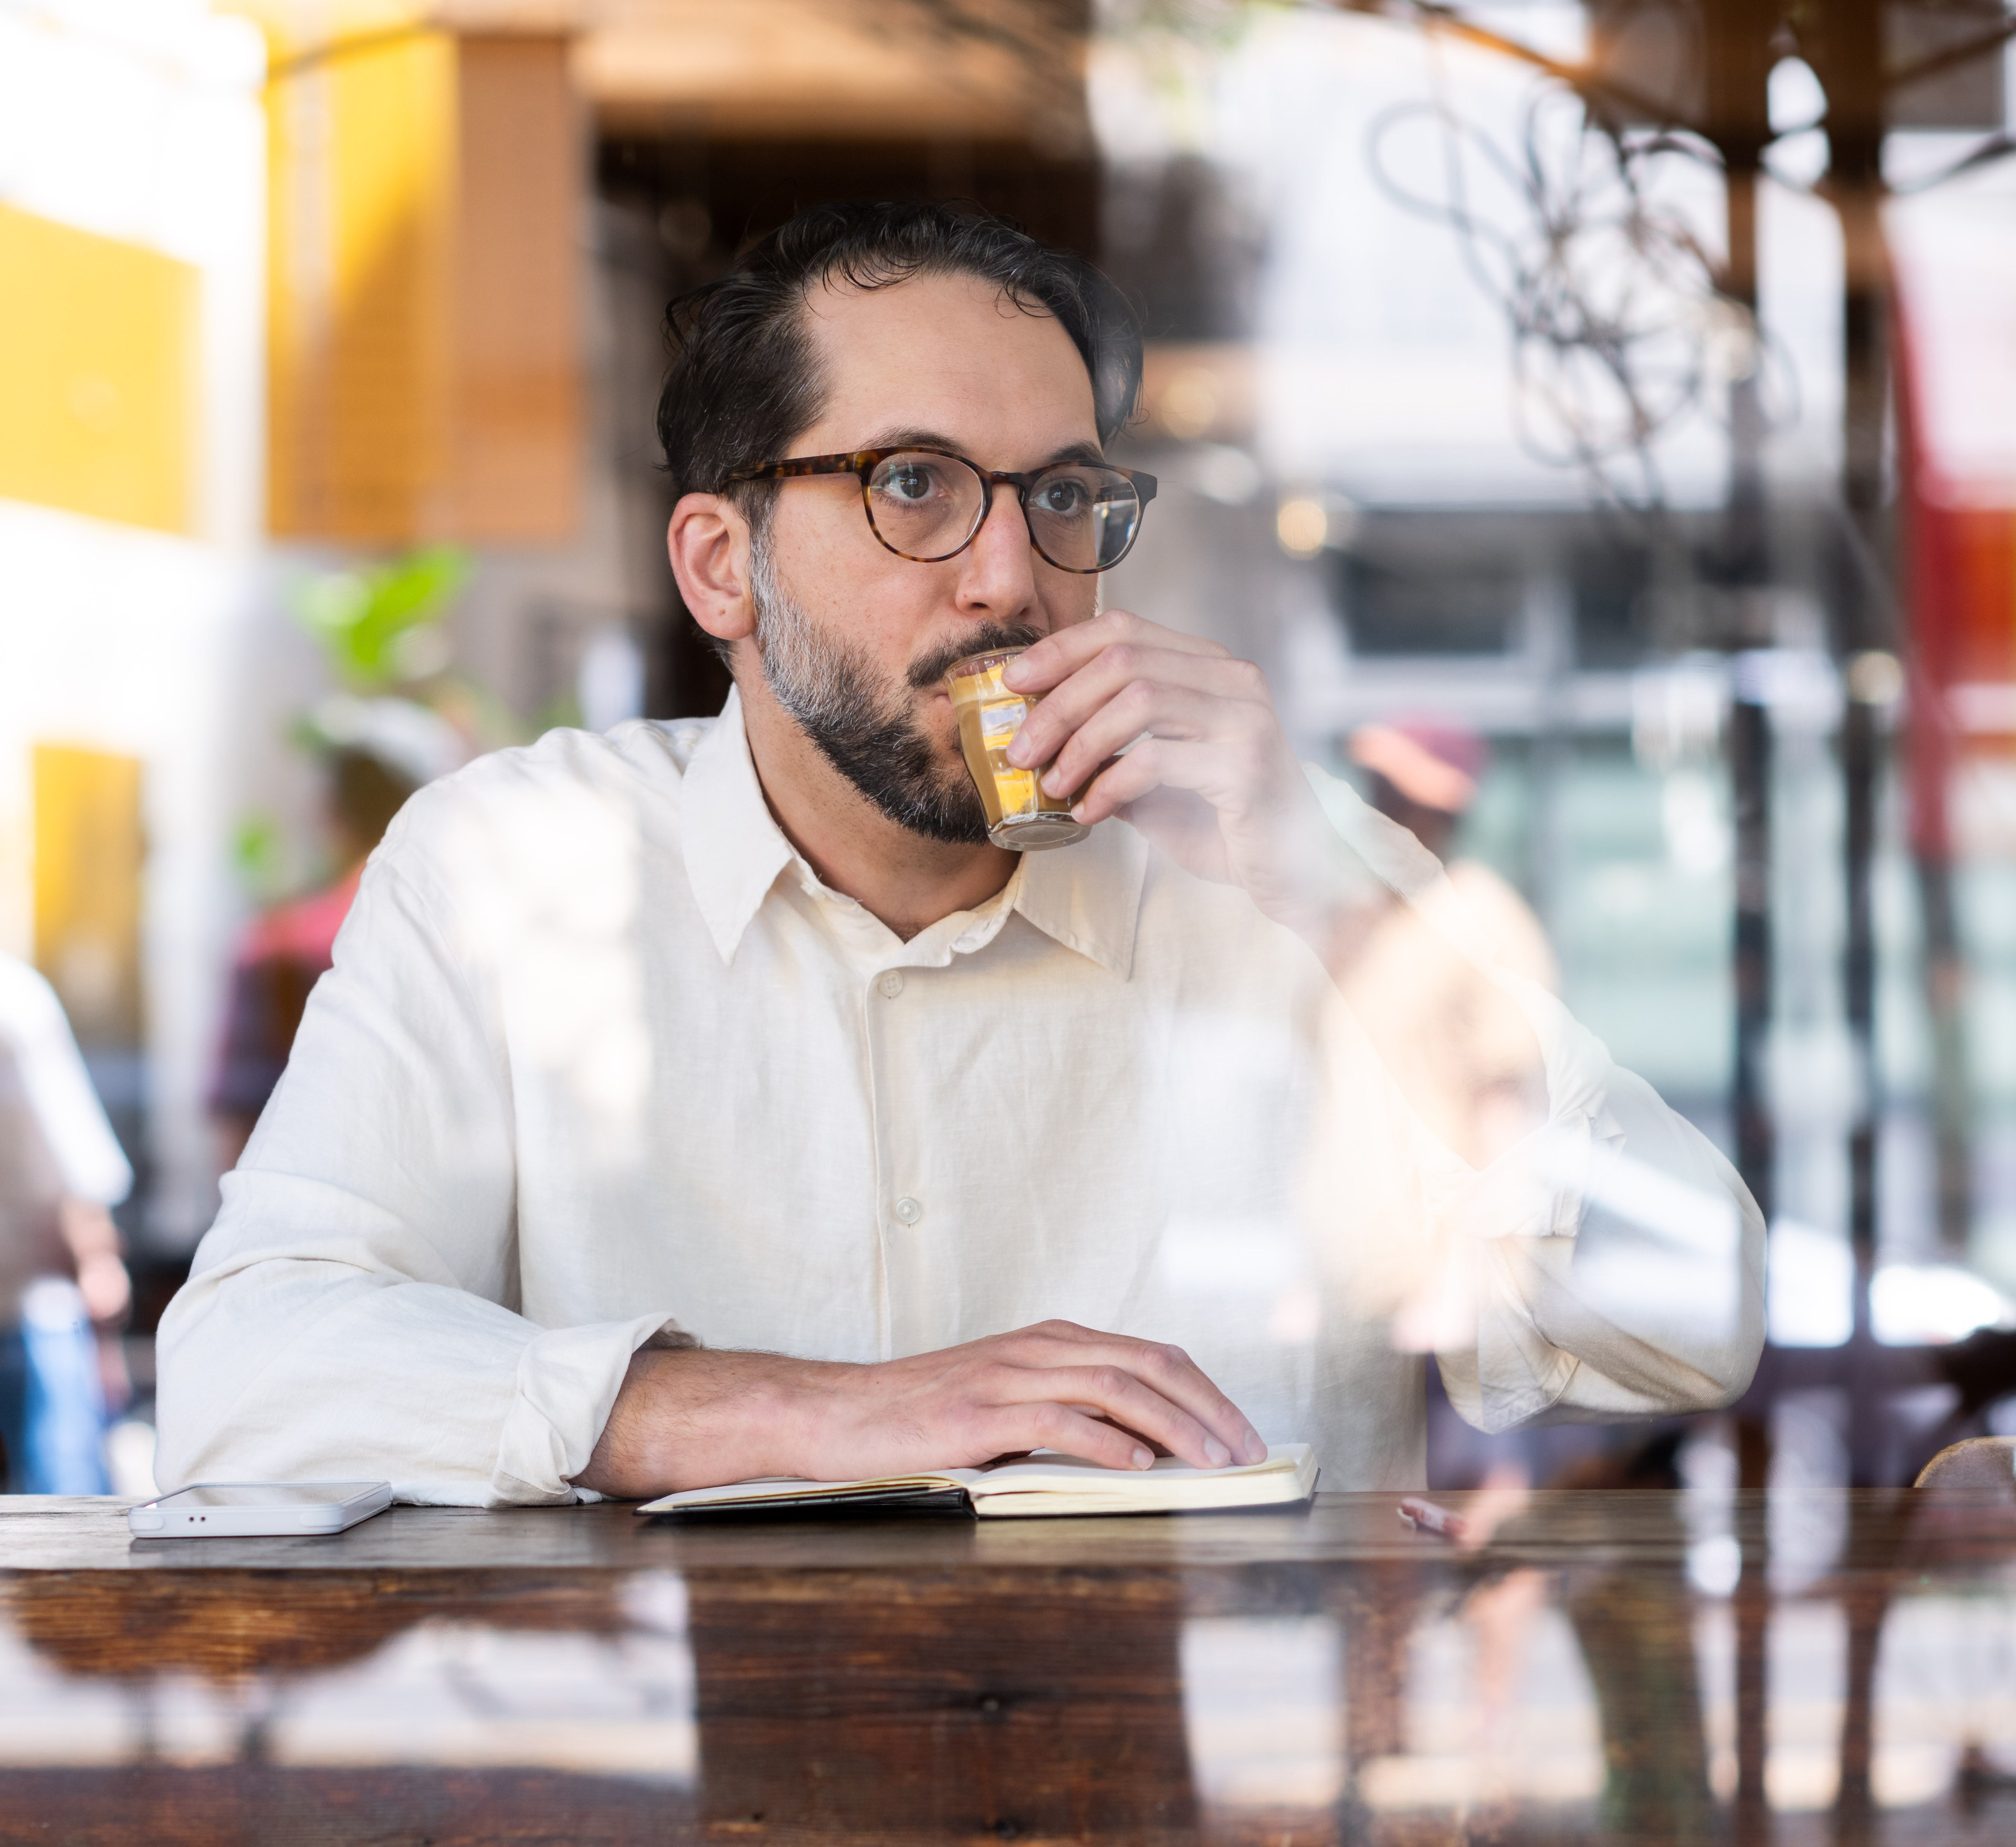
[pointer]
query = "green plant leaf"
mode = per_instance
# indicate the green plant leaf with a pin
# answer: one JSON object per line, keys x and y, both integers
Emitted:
{"x": 362, "y": 616}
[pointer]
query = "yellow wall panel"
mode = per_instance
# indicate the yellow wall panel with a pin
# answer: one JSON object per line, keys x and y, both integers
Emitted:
{"x": 361, "y": 268}
{"x": 423, "y": 337}
{"x": 516, "y": 417}
{"x": 90, "y": 855}
{"x": 98, "y": 375}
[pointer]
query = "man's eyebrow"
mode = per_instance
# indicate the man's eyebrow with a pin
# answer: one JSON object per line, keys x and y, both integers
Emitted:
{"x": 911, "y": 437}
{"x": 1079, "y": 452}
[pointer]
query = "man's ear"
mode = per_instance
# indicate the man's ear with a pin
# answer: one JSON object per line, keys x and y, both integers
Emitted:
{"x": 708, "y": 541}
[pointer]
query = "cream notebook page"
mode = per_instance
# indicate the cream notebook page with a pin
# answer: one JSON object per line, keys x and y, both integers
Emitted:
{"x": 1040, "y": 1484}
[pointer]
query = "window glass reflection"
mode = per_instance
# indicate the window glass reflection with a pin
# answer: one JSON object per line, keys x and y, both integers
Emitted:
{"x": 1263, "y": 1710}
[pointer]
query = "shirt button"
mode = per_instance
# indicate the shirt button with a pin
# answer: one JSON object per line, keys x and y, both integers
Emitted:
{"x": 891, "y": 982}
{"x": 908, "y": 1211}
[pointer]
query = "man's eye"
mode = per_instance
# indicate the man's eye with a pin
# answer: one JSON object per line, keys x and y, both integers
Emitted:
{"x": 1065, "y": 497}
{"x": 909, "y": 483}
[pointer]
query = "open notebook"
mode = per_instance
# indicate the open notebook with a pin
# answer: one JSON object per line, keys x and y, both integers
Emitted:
{"x": 1038, "y": 1484}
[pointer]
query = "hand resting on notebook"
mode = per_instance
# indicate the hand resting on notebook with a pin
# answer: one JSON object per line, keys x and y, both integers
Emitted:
{"x": 694, "y": 1418}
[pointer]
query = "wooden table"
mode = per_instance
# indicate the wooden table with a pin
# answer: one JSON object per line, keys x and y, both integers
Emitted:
{"x": 1633, "y": 1666}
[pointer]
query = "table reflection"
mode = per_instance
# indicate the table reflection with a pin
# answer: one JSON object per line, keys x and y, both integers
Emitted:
{"x": 235, "y": 1680}
{"x": 1575, "y": 1678}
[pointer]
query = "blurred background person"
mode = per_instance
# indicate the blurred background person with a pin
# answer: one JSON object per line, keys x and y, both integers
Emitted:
{"x": 64, "y": 1287}
{"x": 1424, "y": 773}
{"x": 375, "y": 753}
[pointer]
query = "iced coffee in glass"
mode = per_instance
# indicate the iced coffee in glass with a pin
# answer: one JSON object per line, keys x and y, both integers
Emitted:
{"x": 1018, "y": 814}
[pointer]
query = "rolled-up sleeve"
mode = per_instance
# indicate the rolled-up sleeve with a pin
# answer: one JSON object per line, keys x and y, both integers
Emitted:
{"x": 1611, "y": 1262}
{"x": 352, "y": 1313}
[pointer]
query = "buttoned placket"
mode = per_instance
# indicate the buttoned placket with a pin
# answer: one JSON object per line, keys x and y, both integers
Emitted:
{"x": 898, "y": 1210}
{"x": 895, "y": 1011}
{"x": 1086, "y": 900}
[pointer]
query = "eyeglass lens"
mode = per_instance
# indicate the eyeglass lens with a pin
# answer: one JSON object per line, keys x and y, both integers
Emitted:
{"x": 1082, "y": 518}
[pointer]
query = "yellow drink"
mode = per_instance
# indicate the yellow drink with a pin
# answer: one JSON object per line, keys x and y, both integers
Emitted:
{"x": 1018, "y": 814}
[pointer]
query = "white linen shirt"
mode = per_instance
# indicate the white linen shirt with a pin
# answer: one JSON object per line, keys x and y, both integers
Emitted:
{"x": 602, "y": 1062}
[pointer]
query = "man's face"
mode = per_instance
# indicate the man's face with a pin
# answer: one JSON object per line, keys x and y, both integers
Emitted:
{"x": 855, "y": 640}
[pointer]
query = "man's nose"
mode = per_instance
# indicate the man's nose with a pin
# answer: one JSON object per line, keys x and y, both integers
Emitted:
{"x": 1001, "y": 574}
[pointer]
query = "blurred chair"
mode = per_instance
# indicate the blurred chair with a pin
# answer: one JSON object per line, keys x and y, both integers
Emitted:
{"x": 1939, "y": 1533}
{"x": 1978, "y": 1462}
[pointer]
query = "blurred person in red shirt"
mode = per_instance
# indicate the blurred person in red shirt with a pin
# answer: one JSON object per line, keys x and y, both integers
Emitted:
{"x": 378, "y": 752}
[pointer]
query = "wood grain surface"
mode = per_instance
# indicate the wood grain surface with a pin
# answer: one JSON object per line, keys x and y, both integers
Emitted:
{"x": 580, "y": 1674}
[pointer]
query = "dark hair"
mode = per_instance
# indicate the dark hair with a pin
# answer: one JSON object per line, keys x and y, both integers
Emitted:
{"x": 367, "y": 792}
{"x": 742, "y": 382}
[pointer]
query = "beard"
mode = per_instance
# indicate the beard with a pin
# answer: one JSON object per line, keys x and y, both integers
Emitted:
{"x": 864, "y": 726}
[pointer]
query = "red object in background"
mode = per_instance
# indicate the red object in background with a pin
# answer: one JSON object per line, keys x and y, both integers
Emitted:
{"x": 302, "y": 928}
{"x": 1960, "y": 592}
{"x": 284, "y": 952}
{"x": 1958, "y": 584}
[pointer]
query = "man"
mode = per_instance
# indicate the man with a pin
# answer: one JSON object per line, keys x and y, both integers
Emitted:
{"x": 62, "y": 1279}
{"x": 714, "y": 1100}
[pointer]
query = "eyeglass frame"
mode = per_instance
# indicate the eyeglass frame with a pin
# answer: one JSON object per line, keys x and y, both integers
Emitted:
{"x": 861, "y": 464}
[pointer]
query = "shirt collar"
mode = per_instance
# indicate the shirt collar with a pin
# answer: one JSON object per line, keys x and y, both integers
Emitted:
{"x": 734, "y": 847}
{"x": 1086, "y": 897}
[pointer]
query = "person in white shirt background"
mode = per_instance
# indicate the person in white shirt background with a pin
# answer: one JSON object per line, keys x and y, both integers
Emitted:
{"x": 1423, "y": 774}
{"x": 714, "y": 1100}
{"x": 62, "y": 1278}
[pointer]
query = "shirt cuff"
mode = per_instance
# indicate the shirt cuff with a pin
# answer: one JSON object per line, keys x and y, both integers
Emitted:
{"x": 568, "y": 1378}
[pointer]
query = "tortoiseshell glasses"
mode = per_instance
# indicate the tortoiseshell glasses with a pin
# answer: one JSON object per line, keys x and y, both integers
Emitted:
{"x": 929, "y": 505}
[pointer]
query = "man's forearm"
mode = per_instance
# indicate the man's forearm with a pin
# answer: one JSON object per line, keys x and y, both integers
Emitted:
{"x": 694, "y": 1417}
{"x": 690, "y": 1417}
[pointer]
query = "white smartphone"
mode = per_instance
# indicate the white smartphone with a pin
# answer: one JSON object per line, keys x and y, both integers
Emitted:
{"x": 238, "y": 1509}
